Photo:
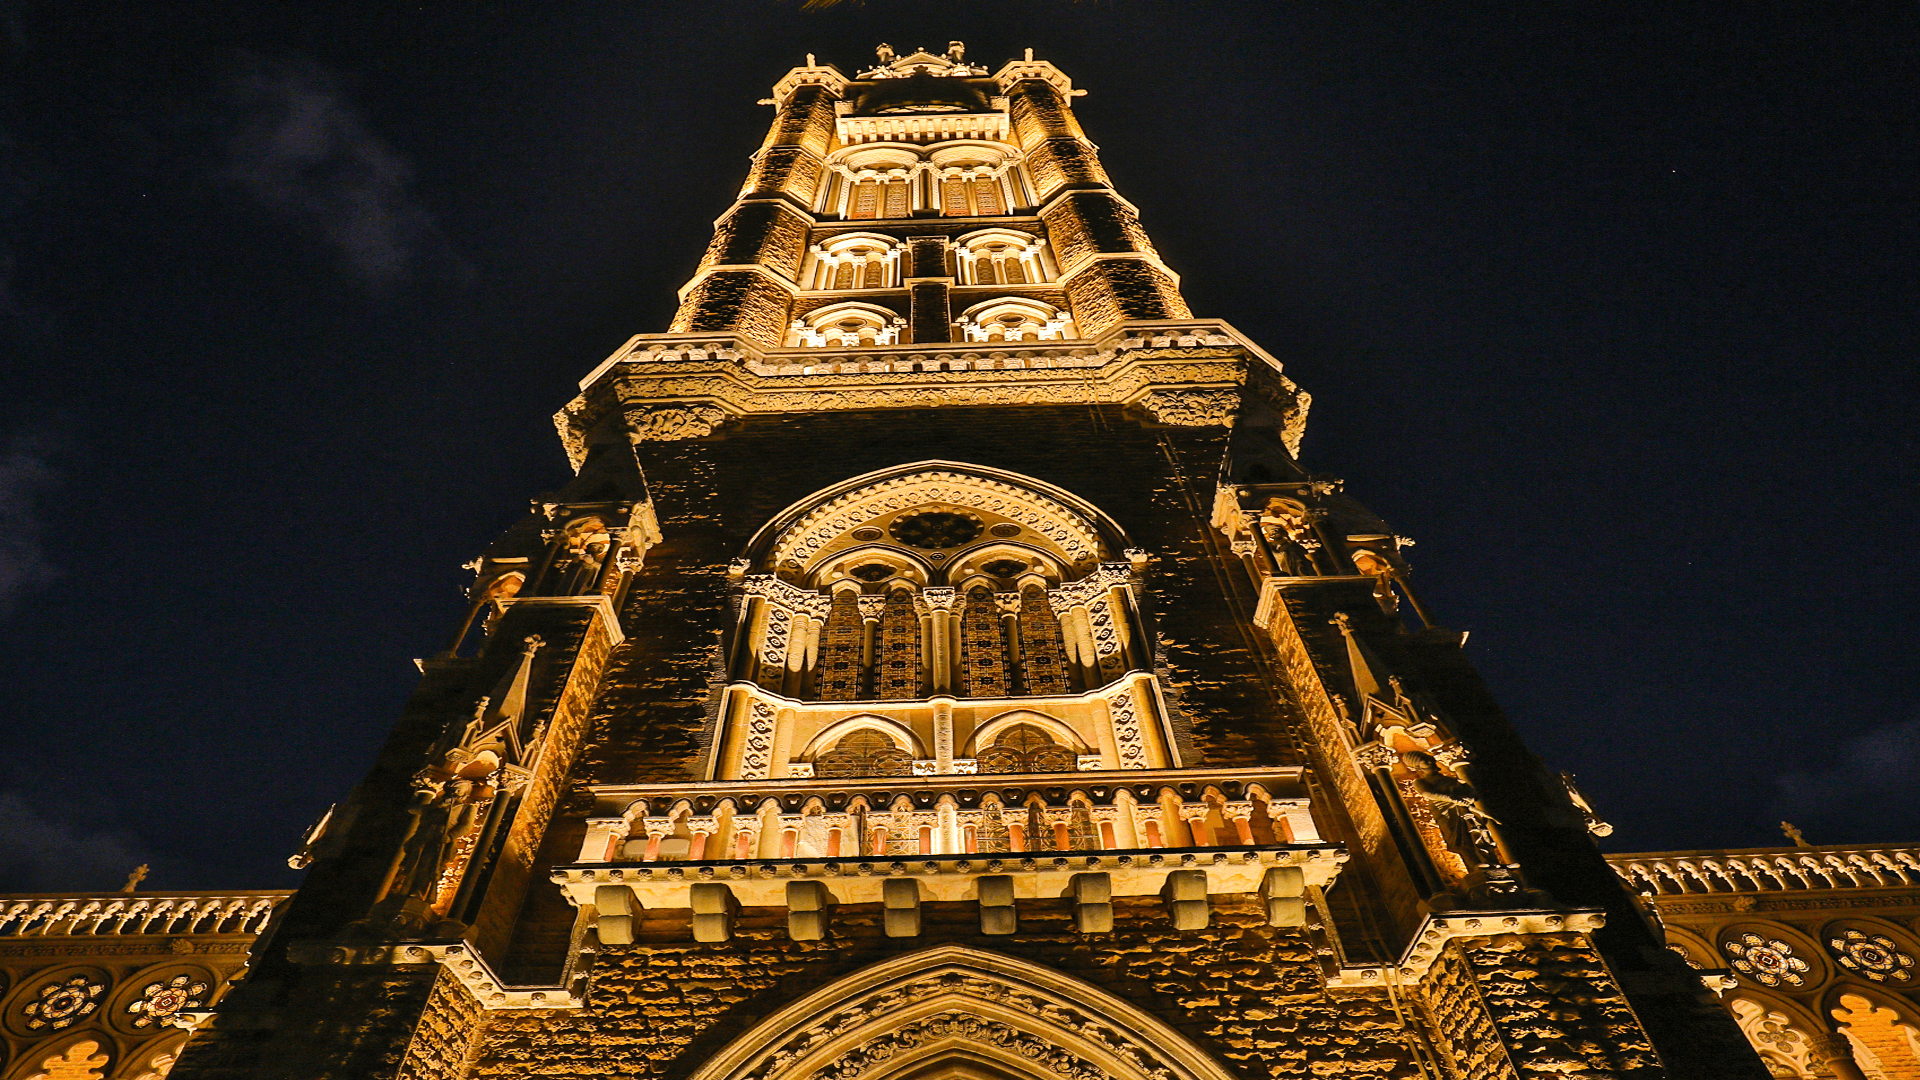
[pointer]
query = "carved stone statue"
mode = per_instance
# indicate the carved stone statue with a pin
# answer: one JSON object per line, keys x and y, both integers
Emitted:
{"x": 1464, "y": 822}
{"x": 885, "y": 53}
{"x": 440, "y": 815}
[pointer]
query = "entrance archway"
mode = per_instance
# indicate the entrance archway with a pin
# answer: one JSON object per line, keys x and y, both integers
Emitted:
{"x": 956, "y": 1013}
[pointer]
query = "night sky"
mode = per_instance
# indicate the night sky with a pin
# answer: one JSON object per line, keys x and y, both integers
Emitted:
{"x": 1609, "y": 306}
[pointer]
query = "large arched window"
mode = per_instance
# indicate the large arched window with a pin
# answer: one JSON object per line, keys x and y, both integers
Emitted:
{"x": 846, "y": 326}
{"x": 864, "y": 753}
{"x": 855, "y": 261}
{"x": 1015, "y": 318}
{"x": 1001, "y": 257}
{"x": 939, "y": 618}
{"x": 1024, "y": 748}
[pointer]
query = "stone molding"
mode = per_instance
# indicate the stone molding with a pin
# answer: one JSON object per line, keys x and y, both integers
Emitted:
{"x": 680, "y": 386}
{"x": 462, "y": 961}
{"x": 821, "y": 526}
{"x": 1045, "y": 1018}
{"x": 600, "y": 604}
{"x": 122, "y": 914}
{"x": 1430, "y": 940}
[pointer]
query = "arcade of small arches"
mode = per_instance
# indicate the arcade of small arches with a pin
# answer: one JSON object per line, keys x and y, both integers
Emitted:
{"x": 865, "y": 260}
{"x": 959, "y": 178}
{"x": 995, "y": 821}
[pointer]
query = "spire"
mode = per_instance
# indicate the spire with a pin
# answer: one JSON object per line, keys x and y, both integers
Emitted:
{"x": 507, "y": 705}
{"x": 1367, "y": 681}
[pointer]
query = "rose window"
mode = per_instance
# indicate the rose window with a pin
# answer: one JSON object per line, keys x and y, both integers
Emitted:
{"x": 62, "y": 1004}
{"x": 1768, "y": 961}
{"x": 1873, "y": 955}
{"x": 160, "y": 1001}
{"x": 934, "y": 529}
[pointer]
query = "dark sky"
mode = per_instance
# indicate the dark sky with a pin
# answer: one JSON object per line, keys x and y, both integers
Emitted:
{"x": 1609, "y": 306}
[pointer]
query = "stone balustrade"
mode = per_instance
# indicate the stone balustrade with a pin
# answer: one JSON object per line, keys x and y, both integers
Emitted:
{"x": 1770, "y": 869}
{"x": 141, "y": 913}
{"x": 886, "y": 817}
{"x": 932, "y": 356}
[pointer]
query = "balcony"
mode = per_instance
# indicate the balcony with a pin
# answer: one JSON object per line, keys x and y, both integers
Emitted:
{"x": 811, "y": 844}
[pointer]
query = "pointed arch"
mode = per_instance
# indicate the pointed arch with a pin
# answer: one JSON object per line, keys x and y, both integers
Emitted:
{"x": 967, "y": 1009}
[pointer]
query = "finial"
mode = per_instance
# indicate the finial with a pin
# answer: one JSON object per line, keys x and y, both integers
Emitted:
{"x": 134, "y": 879}
{"x": 1792, "y": 832}
{"x": 1029, "y": 55}
{"x": 810, "y": 62}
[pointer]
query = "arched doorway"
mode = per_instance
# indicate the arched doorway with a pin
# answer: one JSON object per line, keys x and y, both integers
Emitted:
{"x": 953, "y": 1012}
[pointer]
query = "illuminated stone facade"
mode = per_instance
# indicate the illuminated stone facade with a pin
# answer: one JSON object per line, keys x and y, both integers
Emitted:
{"x": 109, "y": 985}
{"x": 941, "y": 666}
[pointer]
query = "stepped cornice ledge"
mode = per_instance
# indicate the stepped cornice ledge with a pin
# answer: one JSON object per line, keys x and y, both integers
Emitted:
{"x": 1189, "y": 372}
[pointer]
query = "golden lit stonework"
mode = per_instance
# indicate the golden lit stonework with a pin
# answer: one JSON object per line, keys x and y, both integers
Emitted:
{"x": 940, "y": 666}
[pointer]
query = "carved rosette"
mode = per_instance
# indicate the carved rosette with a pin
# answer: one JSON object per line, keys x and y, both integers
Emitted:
{"x": 669, "y": 423}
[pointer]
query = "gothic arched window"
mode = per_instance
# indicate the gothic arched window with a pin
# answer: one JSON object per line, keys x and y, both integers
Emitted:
{"x": 864, "y": 753}
{"x": 1024, "y": 748}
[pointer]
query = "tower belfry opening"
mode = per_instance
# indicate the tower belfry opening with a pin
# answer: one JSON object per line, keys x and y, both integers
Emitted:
{"x": 942, "y": 665}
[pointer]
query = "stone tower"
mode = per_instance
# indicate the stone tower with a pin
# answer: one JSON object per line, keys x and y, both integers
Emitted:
{"x": 941, "y": 666}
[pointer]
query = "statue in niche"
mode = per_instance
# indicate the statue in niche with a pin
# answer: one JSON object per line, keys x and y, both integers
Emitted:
{"x": 1464, "y": 822}
{"x": 442, "y": 813}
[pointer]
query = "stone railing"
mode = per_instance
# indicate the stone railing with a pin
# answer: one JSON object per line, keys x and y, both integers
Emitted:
{"x": 1674, "y": 873}
{"x": 140, "y": 913}
{"x": 931, "y": 356}
{"x": 895, "y": 817}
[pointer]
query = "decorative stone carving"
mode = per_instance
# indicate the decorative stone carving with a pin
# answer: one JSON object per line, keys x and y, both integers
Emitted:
{"x": 1053, "y": 1026}
{"x": 1193, "y": 408}
{"x": 756, "y": 754}
{"x": 1872, "y": 956}
{"x": 813, "y": 532}
{"x": 958, "y": 1025}
{"x": 1767, "y": 961}
{"x": 161, "y": 1002}
{"x": 1778, "y": 1042}
{"x": 61, "y": 1004}
{"x": 1126, "y": 730}
{"x": 81, "y": 1061}
{"x": 668, "y": 423}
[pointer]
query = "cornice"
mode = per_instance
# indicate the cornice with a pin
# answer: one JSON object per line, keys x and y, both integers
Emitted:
{"x": 811, "y": 75}
{"x": 706, "y": 272}
{"x": 1187, "y": 373}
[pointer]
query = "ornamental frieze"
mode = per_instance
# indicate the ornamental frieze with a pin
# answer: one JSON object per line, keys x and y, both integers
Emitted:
{"x": 689, "y": 391}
